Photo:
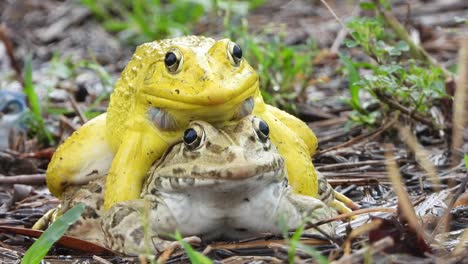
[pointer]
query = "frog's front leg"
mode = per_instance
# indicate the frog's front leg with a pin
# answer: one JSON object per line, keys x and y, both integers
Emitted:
{"x": 139, "y": 226}
{"x": 84, "y": 156}
{"x": 141, "y": 145}
{"x": 301, "y": 172}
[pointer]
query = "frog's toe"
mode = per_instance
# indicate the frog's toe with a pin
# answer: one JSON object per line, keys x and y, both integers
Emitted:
{"x": 47, "y": 219}
{"x": 343, "y": 204}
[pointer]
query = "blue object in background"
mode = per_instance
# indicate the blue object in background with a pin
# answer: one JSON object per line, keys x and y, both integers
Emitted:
{"x": 12, "y": 108}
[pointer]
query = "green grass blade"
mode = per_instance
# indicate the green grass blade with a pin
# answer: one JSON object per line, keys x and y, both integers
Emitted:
{"x": 354, "y": 77}
{"x": 293, "y": 243}
{"x": 466, "y": 161}
{"x": 33, "y": 99}
{"x": 194, "y": 256}
{"x": 317, "y": 256}
{"x": 39, "y": 249}
{"x": 29, "y": 88}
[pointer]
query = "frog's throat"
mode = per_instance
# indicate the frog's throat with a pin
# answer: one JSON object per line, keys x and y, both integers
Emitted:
{"x": 166, "y": 121}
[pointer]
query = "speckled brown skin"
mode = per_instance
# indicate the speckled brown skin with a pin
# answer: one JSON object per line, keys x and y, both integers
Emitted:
{"x": 125, "y": 142}
{"x": 218, "y": 189}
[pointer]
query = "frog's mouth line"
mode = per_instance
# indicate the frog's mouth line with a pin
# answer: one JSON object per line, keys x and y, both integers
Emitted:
{"x": 210, "y": 178}
{"x": 184, "y": 103}
{"x": 169, "y": 183}
{"x": 162, "y": 119}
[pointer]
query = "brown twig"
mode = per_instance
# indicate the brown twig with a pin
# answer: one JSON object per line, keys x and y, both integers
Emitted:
{"x": 77, "y": 109}
{"x": 10, "y": 53}
{"x": 347, "y": 165}
{"x": 460, "y": 103}
{"x": 358, "y": 182}
{"x": 351, "y": 214}
{"x": 396, "y": 105}
{"x": 101, "y": 260}
{"x": 32, "y": 179}
{"x": 404, "y": 201}
{"x": 443, "y": 224}
{"x": 365, "y": 137}
{"x": 422, "y": 156}
{"x": 358, "y": 256}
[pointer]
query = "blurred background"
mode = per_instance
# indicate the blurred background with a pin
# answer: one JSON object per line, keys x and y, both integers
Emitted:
{"x": 360, "y": 73}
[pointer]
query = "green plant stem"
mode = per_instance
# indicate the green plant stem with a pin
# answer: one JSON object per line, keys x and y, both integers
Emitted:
{"x": 416, "y": 50}
{"x": 411, "y": 113}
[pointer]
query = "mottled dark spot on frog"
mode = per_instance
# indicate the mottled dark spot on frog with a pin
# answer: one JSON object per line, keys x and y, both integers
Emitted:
{"x": 231, "y": 156}
{"x": 214, "y": 148}
{"x": 252, "y": 138}
{"x": 121, "y": 213}
{"x": 137, "y": 234}
{"x": 176, "y": 171}
{"x": 246, "y": 199}
{"x": 177, "y": 91}
{"x": 90, "y": 213}
{"x": 191, "y": 155}
{"x": 241, "y": 229}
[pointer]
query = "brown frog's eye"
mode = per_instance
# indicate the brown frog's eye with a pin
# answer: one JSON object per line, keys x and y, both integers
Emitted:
{"x": 173, "y": 61}
{"x": 234, "y": 54}
{"x": 262, "y": 129}
{"x": 193, "y": 137}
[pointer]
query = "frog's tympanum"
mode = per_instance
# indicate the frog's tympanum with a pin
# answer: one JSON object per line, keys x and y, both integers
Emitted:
{"x": 166, "y": 85}
{"x": 226, "y": 183}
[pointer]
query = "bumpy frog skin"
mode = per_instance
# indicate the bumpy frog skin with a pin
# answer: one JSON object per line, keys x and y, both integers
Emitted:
{"x": 167, "y": 84}
{"x": 219, "y": 183}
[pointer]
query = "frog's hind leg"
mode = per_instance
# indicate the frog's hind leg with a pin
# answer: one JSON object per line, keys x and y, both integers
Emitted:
{"x": 301, "y": 172}
{"x": 297, "y": 126}
{"x": 83, "y": 157}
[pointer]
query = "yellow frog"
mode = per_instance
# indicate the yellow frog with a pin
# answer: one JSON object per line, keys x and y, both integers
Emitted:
{"x": 167, "y": 84}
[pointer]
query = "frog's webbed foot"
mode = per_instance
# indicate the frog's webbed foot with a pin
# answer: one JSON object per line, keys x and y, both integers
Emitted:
{"x": 130, "y": 227}
{"x": 300, "y": 208}
{"x": 338, "y": 201}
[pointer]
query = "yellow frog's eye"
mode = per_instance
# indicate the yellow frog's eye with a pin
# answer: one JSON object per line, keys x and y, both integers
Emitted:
{"x": 234, "y": 53}
{"x": 173, "y": 61}
{"x": 262, "y": 129}
{"x": 194, "y": 137}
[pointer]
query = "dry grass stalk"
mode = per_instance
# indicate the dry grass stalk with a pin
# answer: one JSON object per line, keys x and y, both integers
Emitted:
{"x": 333, "y": 13}
{"x": 359, "y": 255}
{"x": 422, "y": 156}
{"x": 460, "y": 104}
{"x": 359, "y": 231}
{"x": 403, "y": 198}
{"x": 351, "y": 214}
{"x": 101, "y": 260}
{"x": 461, "y": 247}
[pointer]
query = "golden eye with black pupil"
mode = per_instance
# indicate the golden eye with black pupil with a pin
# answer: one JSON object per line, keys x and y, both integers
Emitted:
{"x": 193, "y": 137}
{"x": 234, "y": 53}
{"x": 262, "y": 129}
{"x": 173, "y": 61}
